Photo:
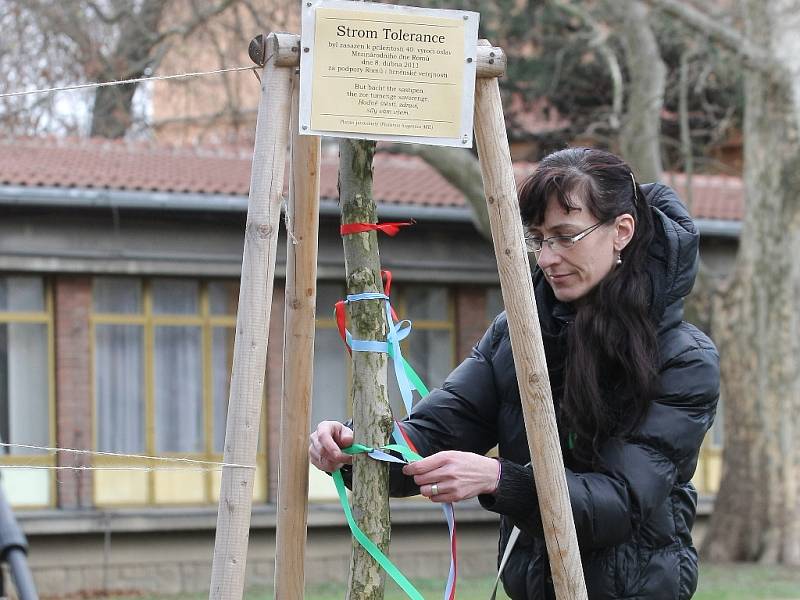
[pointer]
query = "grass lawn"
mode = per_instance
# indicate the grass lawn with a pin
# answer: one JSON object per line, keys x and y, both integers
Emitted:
{"x": 717, "y": 582}
{"x": 748, "y": 582}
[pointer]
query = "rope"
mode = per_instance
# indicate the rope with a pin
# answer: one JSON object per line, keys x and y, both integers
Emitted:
{"x": 139, "y": 456}
{"x": 81, "y": 86}
{"x": 86, "y": 468}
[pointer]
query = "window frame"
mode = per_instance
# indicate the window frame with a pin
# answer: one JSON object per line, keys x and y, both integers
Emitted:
{"x": 448, "y": 324}
{"x": 39, "y": 460}
{"x": 149, "y": 321}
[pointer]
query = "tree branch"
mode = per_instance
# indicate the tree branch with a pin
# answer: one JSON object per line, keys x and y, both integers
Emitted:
{"x": 640, "y": 135}
{"x": 686, "y": 132}
{"x": 600, "y": 41}
{"x": 753, "y": 55}
{"x": 461, "y": 169}
{"x": 200, "y": 17}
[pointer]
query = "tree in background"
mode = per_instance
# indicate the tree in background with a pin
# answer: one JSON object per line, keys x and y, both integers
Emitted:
{"x": 587, "y": 72}
{"x": 756, "y": 319}
{"x": 603, "y": 73}
{"x": 50, "y": 44}
{"x": 572, "y": 75}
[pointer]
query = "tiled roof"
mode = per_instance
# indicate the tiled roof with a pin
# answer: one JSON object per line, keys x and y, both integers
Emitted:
{"x": 121, "y": 165}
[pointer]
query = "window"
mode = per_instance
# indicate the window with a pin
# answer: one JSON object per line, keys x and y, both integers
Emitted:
{"x": 708, "y": 475}
{"x": 163, "y": 353}
{"x": 26, "y": 388}
{"x": 494, "y": 302}
{"x": 331, "y": 397}
{"x": 331, "y": 388}
{"x": 430, "y": 348}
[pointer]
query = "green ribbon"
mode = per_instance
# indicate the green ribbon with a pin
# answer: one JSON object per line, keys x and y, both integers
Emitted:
{"x": 411, "y": 456}
{"x": 360, "y": 536}
{"x": 411, "y": 374}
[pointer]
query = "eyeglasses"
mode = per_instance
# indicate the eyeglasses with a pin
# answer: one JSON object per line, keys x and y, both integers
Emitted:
{"x": 559, "y": 242}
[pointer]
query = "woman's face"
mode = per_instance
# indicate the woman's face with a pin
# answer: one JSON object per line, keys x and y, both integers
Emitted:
{"x": 574, "y": 272}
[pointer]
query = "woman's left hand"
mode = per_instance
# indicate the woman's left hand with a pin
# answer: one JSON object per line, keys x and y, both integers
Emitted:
{"x": 454, "y": 475}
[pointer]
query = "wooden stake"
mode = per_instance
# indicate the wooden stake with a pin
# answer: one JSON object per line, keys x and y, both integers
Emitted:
{"x": 252, "y": 325}
{"x": 526, "y": 342}
{"x": 298, "y": 360}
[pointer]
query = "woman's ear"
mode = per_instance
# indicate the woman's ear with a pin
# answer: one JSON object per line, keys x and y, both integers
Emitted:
{"x": 625, "y": 226}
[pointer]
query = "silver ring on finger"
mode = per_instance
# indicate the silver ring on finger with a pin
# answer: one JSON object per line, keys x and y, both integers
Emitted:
{"x": 434, "y": 489}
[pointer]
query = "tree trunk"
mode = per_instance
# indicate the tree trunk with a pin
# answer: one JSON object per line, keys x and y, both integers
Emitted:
{"x": 113, "y": 108}
{"x": 640, "y": 134}
{"x": 372, "y": 417}
{"x": 756, "y": 323}
{"x": 112, "y": 114}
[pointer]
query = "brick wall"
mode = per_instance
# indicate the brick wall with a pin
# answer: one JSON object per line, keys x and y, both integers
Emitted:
{"x": 73, "y": 297}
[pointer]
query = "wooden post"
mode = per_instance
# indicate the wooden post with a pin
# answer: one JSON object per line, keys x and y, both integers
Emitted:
{"x": 252, "y": 325}
{"x": 298, "y": 360}
{"x": 526, "y": 342}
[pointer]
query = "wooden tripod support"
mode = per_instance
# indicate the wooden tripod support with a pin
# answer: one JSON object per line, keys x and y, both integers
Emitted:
{"x": 279, "y": 56}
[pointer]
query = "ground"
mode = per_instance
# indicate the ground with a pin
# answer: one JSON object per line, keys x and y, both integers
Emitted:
{"x": 717, "y": 582}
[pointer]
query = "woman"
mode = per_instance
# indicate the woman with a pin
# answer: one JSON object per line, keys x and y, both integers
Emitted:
{"x": 635, "y": 389}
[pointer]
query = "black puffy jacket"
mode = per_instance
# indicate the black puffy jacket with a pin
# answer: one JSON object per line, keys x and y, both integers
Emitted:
{"x": 634, "y": 514}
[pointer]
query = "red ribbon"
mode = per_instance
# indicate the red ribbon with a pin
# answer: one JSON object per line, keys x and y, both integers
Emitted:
{"x": 409, "y": 443}
{"x": 386, "y": 275}
{"x": 391, "y": 229}
{"x": 341, "y": 320}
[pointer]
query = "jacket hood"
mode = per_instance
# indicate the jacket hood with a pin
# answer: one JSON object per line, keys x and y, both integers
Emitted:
{"x": 673, "y": 256}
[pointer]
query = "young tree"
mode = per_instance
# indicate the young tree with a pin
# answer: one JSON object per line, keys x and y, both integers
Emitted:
{"x": 757, "y": 318}
{"x": 372, "y": 417}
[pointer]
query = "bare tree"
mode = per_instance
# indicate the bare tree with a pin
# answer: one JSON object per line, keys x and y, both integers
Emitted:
{"x": 637, "y": 126}
{"x": 640, "y": 135}
{"x": 58, "y": 43}
{"x": 757, "y": 319}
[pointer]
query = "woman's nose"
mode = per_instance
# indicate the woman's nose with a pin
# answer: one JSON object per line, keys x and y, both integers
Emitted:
{"x": 547, "y": 257}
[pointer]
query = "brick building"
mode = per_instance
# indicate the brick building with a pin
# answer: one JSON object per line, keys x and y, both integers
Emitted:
{"x": 119, "y": 267}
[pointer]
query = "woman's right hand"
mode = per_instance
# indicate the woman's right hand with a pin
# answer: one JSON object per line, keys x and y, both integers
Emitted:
{"x": 327, "y": 440}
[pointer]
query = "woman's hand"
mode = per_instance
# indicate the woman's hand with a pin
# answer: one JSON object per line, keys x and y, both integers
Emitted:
{"x": 325, "y": 452}
{"x": 456, "y": 475}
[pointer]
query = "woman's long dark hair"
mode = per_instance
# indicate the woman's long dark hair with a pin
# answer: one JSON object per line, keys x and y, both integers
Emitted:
{"x": 612, "y": 352}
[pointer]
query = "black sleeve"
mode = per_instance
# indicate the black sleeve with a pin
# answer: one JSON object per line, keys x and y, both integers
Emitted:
{"x": 461, "y": 415}
{"x": 636, "y": 474}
